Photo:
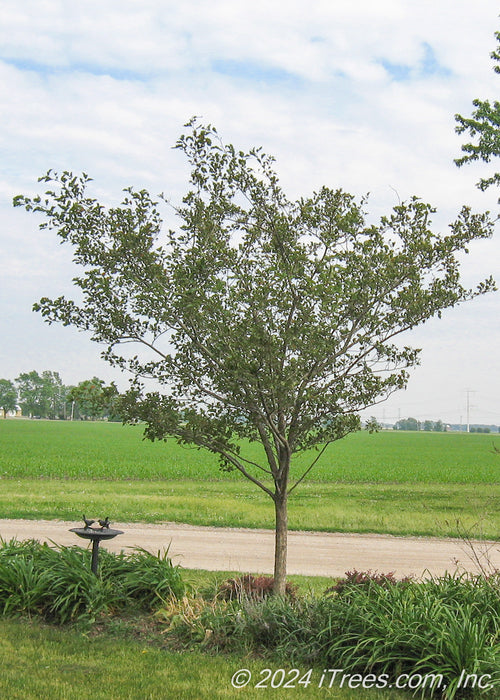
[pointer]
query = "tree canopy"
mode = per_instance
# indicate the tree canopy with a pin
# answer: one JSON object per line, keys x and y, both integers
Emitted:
{"x": 41, "y": 395}
{"x": 260, "y": 318}
{"x": 93, "y": 398}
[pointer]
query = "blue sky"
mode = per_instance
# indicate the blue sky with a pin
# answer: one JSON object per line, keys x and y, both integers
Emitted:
{"x": 426, "y": 67}
{"x": 354, "y": 95}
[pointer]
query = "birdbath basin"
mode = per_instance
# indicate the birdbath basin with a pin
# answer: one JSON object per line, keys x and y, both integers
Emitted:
{"x": 95, "y": 535}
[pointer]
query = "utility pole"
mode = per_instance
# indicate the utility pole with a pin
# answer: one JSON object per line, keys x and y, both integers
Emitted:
{"x": 468, "y": 392}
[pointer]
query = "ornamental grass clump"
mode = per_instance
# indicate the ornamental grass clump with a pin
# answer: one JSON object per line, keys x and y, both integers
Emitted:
{"x": 23, "y": 587}
{"x": 213, "y": 626}
{"x": 53, "y": 582}
{"x": 151, "y": 579}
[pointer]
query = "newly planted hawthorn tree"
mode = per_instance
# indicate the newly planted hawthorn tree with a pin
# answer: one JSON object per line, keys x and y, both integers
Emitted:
{"x": 259, "y": 318}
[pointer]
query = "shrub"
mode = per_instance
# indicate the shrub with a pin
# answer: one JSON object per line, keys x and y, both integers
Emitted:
{"x": 366, "y": 578}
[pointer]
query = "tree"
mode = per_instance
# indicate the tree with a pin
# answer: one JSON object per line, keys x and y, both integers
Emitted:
{"x": 264, "y": 319}
{"x": 54, "y": 393}
{"x": 41, "y": 395}
{"x": 484, "y": 127}
{"x": 8, "y": 396}
{"x": 93, "y": 398}
{"x": 32, "y": 397}
{"x": 408, "y": 424}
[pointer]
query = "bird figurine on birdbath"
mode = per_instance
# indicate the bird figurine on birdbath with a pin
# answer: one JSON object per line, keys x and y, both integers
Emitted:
{"x": 87, "y": 522}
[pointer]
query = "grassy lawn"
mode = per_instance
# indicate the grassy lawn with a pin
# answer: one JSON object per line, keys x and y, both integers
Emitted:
{"x": 39, "y": 661}
{"x": 397, "y": 483}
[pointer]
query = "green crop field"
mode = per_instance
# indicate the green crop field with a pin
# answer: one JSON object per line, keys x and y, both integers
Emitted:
{"x": 100, "y": 450}
{"x": 393, "y": 482}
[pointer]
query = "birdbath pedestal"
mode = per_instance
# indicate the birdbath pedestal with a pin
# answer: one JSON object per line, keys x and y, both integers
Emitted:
{"x": 95, "y": 536}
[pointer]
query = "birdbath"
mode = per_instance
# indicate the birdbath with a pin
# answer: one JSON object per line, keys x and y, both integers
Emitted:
{"x": 95, "y": 535}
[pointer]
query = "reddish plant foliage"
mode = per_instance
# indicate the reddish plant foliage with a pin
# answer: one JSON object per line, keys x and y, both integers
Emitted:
{"x": 366, "y": 578}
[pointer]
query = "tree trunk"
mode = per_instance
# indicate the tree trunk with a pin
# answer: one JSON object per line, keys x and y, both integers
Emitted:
{"x": 280, "y": 547}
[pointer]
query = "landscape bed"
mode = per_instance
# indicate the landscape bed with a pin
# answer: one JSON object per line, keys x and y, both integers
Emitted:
{"x": 366, "y": 627}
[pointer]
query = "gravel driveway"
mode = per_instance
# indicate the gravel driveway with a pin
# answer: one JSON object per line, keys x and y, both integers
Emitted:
{"x": 309, "y": 553}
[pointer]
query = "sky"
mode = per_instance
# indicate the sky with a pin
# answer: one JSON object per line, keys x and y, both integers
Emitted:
{"x": 360, "y": 96}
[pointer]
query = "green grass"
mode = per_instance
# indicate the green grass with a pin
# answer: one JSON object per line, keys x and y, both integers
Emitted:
{"x": 397, "y": 483}
{"x": 45, "y": 662}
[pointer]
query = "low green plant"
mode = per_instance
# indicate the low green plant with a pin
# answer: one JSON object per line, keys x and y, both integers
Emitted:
{"x": 23, "y": 587}
{"x": 75, "y": 592}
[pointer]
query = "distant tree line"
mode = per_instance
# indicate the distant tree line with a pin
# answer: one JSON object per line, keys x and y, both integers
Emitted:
{"x": 45, "y": 396}
{"x": 438, "y": 426}
{"x": 413, "y": 424}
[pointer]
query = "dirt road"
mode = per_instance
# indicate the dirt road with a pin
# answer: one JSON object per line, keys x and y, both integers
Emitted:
{"x": 309, "y": 553}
